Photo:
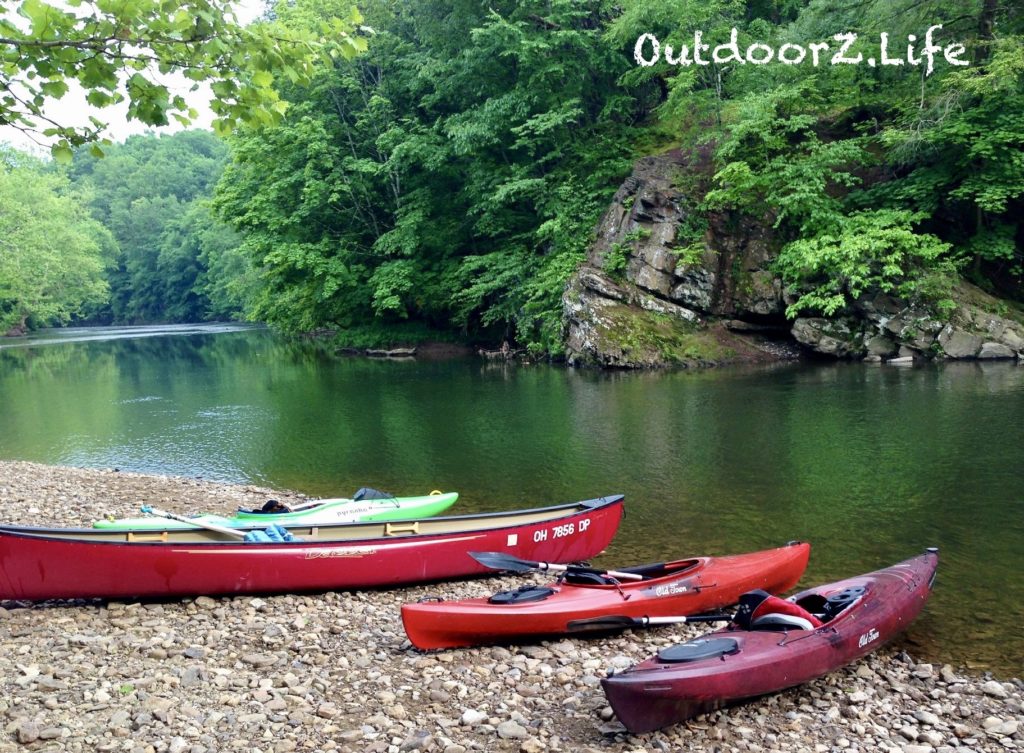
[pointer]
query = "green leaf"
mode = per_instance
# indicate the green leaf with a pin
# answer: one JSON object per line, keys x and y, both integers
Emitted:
{"x": 62, "y": 153}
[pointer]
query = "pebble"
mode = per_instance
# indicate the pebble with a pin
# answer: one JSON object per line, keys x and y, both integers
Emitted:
{"x": 334, "y": 673}
{"x": 994, "y": 689}
{"x": 472, "y": 717}
{"x": 926, "y": 717}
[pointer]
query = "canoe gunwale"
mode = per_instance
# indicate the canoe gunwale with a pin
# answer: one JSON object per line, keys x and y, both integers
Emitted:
{"x": 442, "y": 526}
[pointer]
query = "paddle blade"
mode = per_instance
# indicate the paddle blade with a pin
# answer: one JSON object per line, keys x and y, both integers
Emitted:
{"x": 603, "y": 624}
{"x": 500, "y": 561}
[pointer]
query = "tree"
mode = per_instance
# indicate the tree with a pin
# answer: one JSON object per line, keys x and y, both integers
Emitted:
{"x": 121, "y": 51}
{"x": 52, "y": 254}
{"x": 151, "y": 191}
{"x": 447, "y": 178}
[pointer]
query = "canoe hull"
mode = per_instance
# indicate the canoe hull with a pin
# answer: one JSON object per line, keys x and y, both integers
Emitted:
{"x": 332, "y": 511}
{"x": 38, "y": 564}
{"x": 656, "y": 693}
{"x": 704, "y": 583}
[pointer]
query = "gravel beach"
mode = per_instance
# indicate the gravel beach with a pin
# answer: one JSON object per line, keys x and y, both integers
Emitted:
{"x": 334, "y": 672}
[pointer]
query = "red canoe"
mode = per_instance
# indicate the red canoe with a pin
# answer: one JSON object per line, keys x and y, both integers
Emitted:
{"x": 684, "y": 587}
{"x": 735, "y": 664}
{"x": 67, "y": 563}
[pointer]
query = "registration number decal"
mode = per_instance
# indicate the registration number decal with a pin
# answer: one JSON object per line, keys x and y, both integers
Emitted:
{"x": 560, "y": 532}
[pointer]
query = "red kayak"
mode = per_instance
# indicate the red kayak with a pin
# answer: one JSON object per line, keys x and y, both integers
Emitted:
{"x": 584, "y": 601}
{"x": 68, "y": 563}
{"x": 773, "y": 644}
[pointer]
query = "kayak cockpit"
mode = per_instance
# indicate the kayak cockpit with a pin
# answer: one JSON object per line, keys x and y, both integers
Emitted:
{"x": 646, "y": 572}
{"x": 826, "y": 607}
{"x": 759, "y": 610}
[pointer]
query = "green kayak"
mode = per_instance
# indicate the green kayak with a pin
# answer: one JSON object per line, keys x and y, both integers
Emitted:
{"x": 366, "y": 506}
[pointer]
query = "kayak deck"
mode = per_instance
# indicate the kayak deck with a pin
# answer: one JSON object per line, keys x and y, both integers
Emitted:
{"x": 735, "y": 664}
{"x": 582, "y": 601}
{"x": 329, "y": 511}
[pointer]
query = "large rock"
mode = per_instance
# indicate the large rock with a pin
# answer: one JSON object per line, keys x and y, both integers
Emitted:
{"x": 654, "y": 309}
{"x": 957, "y": 343}
{"x": 632, "y": 329}
{"x": 830, "y": 337}
{"x": 995, "y": 351}
{"x": 970, "y": 331}
{"x": 653, "y": 286}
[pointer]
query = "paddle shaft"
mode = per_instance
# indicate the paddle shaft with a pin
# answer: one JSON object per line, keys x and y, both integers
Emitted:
{"x": 502, "y": 561}
{"x": 621, "y": 622}
{"x": 582, "y": 569}
{"x": 193, "y": 521}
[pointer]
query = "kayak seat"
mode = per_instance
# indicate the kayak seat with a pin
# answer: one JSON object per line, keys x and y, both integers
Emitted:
{"x": 781, "y": 622}
{"x": 700, "y": 648}
{"x": 577, "y": 578}
{"x": 366, "y": 494}
{"x": 759, "y": 610}
{"x": 661, "y": 569}
{"x": 827, "y": 607}
{"x": 271, "y": 507}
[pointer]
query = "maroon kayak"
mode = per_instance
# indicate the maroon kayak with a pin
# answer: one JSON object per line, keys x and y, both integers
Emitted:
{"x": 67, "y": 563}
{"x": 782, "y": 643}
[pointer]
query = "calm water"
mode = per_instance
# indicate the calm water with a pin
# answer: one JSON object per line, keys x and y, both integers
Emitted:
{"x": 870, "y": 464}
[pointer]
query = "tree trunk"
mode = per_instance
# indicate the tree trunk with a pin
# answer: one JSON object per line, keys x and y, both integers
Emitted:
{"x": 986, "y": 30}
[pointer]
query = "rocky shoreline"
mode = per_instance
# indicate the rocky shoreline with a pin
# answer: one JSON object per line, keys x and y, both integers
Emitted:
{"x": 667, "y": 284}
{"x": 334, "y": 672}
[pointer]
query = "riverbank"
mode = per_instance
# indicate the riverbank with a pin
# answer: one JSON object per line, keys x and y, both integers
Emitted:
{"x": 335, "y": 671}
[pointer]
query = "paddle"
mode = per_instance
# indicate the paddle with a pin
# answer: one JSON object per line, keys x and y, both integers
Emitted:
{"x": 193, "y": 521}
{"x": 270, "y": 535}
{"x": 500, "y": 561}
{"x": 621, "y": 622}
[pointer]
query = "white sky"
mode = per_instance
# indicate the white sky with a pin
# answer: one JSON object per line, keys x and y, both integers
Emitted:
{"x": 72, "y": 109}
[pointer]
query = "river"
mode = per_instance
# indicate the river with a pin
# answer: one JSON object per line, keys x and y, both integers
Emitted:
{"x": 870, "y": 464}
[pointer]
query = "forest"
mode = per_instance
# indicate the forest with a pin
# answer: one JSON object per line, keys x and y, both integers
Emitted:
{"x": 446, "y": 181}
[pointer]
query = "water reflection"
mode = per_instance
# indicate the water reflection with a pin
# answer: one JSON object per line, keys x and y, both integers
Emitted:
{"x": 870, "y": 464}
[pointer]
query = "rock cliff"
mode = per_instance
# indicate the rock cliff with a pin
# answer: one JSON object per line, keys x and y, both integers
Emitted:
{"x": 665, "y": 285}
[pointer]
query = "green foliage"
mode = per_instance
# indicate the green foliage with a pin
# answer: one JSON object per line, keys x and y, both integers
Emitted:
{"x": 150, "y": 191}
{"x": 868, "y": 251}
{"x": 446, "y": 177}
{"x": 448, "y": 180}
{"x": 775, "y": 164}
{"x": 52, "y": 254}
{"x": 97, "y": 46}
{"x": 616, "y": 259}
{"x": 876, "y": 179}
